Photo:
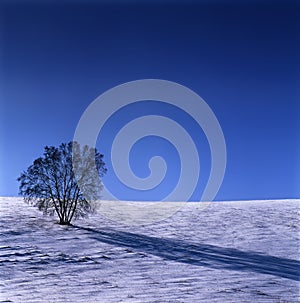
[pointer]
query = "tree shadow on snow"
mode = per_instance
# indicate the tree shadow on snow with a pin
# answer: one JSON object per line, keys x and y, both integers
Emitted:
{"x": 199, "y": 254}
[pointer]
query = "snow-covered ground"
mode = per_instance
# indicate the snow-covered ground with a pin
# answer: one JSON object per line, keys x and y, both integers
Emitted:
{"x": 228, "y": 252}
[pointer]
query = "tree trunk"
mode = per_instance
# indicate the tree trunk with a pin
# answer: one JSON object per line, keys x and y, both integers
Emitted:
{"x": 63, "y": 222}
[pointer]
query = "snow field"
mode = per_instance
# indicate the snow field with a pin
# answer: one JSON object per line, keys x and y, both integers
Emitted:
{"x": 245, "y": 251}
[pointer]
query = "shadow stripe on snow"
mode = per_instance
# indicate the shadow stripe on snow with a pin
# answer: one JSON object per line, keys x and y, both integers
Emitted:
{"x": 199, "y": 254}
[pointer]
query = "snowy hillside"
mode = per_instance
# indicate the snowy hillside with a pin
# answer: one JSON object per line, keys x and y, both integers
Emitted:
{"x": 228, "y": 252}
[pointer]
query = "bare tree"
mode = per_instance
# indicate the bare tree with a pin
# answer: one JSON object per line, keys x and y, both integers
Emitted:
{"x": 51, "y": 184}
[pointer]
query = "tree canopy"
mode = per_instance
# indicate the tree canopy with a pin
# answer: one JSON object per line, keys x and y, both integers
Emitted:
{"x": 52, "y": 185}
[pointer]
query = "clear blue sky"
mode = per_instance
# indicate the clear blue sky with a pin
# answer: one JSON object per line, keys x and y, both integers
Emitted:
{"x": 241, "y": 57}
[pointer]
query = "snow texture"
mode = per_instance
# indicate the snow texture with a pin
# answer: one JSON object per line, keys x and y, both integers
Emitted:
{"x": 228, "y": 252}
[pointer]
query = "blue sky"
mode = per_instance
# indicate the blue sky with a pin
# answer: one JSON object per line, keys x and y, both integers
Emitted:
{"x": 240, "y": 57}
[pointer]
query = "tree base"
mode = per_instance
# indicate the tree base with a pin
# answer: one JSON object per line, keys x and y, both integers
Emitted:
{"x": 64, "y": 223}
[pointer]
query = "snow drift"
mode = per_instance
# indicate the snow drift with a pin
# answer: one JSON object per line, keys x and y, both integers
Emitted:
{"x": 228, "y": 252}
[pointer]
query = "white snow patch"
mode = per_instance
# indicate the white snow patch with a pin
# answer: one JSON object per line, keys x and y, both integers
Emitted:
{"x": 228, "y": 252}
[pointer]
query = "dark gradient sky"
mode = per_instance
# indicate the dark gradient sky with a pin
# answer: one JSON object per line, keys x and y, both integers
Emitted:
{"x": 241, "y": 57}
